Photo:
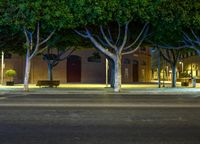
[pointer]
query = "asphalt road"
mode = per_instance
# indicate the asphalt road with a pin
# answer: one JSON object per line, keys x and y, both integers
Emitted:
{"x": 59, "y": 124}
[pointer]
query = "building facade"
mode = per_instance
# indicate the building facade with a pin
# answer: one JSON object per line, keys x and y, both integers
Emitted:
{"x": 189, "y": 64}
{"x": 83, "y": 66}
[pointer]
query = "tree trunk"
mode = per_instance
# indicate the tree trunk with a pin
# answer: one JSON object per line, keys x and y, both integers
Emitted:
{"x": 27, "y": 72}
{"x": 111, "y": 73}
{"x": 50, "y": 73}
{"x": 173, "y": 75}
{"x": 112, "y": 76}
{"x": 159, "y": 83}
{"x": 117, "y": 75}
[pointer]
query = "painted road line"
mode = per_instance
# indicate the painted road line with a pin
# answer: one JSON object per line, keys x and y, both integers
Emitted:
{"x": 100, "y": 105}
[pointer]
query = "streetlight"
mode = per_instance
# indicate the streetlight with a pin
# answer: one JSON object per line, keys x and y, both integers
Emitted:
{"x": 2, "y": 66}
{"x": 106, "y": 72}
{"x": 181, "y": 65}
{"x": 163, "y": 73}
{"x": 167, "y": 72}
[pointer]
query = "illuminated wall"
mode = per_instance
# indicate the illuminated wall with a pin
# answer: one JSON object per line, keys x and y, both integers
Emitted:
{"x": 92, "y": 71}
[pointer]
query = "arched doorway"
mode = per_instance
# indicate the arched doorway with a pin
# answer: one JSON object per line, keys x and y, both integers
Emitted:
{"x": 135, "y": 71}
{"x": 74, "y": 69}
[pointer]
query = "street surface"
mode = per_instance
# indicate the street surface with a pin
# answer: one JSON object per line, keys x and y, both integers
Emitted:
{"x": 99, "y": 119}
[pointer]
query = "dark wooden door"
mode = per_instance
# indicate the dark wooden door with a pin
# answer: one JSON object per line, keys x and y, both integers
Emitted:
{"x": 135, "y": 71}
{"x": 74, "y": 69}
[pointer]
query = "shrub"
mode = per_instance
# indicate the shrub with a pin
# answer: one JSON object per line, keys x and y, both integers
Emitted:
{"x": 10, "y": 73}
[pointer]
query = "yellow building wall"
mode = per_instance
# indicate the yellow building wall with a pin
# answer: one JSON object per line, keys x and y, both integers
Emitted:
{"x": 91, "y": 72}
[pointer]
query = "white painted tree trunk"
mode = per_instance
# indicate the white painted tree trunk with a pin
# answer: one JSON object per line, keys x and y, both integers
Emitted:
{"x": 27, "y": 72}
{"x": 111, "y": 72}
{"x": 117, "y": 75}
{"x": 32, "y": 50}
{"x": 115, "y": 50}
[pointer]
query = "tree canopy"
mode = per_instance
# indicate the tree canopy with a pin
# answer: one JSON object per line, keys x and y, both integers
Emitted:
{"x": 23, "y": 13}
{"x": 95, "y": 12}
{"x": 167, "y": 20}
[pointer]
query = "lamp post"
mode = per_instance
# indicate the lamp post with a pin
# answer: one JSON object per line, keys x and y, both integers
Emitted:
{"x": 181, "y": 65}
{"x": 163, "y": 73}
{"x": 167, "y": 72}
{"x": 2, "y": 66}
{"x": 106, "y": 72}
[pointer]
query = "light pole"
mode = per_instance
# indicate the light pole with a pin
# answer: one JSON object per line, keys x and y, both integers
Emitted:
{"x": 163, "y": 73}
{"x": 181, "y": 65}
{"x": 2, "y": 66}
{"x": 106, "y": 72}
{"x": 167, "y": 72}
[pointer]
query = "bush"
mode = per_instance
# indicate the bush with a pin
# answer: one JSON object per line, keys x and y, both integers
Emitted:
{"x": 10, "y": 73}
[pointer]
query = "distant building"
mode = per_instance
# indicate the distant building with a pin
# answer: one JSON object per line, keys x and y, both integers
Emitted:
{"x": 83, "y": 66}
{"x": 189, "y": 63}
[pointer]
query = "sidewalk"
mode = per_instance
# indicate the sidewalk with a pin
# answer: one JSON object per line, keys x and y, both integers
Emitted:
{"x": 138, "y": 95}
{"x": 129, "y": 89}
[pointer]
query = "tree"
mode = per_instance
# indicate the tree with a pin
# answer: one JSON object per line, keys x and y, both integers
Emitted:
{"x": 156, "y": 63}
{"x": 168, "y": 20}
{"x": 192, "y": 41}
{"x": 32, "y": 49}
{"x": 60, "y": 47}
{"x": 192, "y": 26}
{"x": 53, "y": 59}
{"x": 101, "y": 13}
{"x": 172, "y": 56}
{"x": 35, "y": 17}
{"x": 174, "y": 18}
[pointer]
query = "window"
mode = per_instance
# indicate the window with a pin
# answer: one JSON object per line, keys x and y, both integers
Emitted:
{"x": 193, "y": 53}
{"x": 143, "y": 49}
{"x": 50, "y": 57}
{"x": 126, "y": 61}
{"x": 143, "y": 63}
{"x": 95, "y": 57}
{"x": 135, "y": 62}
{"x": 7, "y": 56}
{"x": 185, "y": 55}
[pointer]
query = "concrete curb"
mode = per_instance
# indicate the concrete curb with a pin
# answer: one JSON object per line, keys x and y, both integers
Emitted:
{"x": 140, "y": 90}
{"x": 103, "y": 93}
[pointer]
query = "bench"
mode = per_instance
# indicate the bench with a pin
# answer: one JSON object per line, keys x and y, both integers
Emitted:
{"x": 48, "y": 83}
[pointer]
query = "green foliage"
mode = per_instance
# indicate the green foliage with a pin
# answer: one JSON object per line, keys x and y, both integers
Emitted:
{"x": 171, "y": 18}
{"x": 192, "y": 15}
{"x": 19, "y": 14}
{"x": 11, "y": 40}
{"x": 95, "y": 12}
{"x": 23, "y": 13}
{"x": 167, "y": 18}
{"x": 64, "y": 38}
{"x": 10, "y": 73}
{"x": 95, "y": 57}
